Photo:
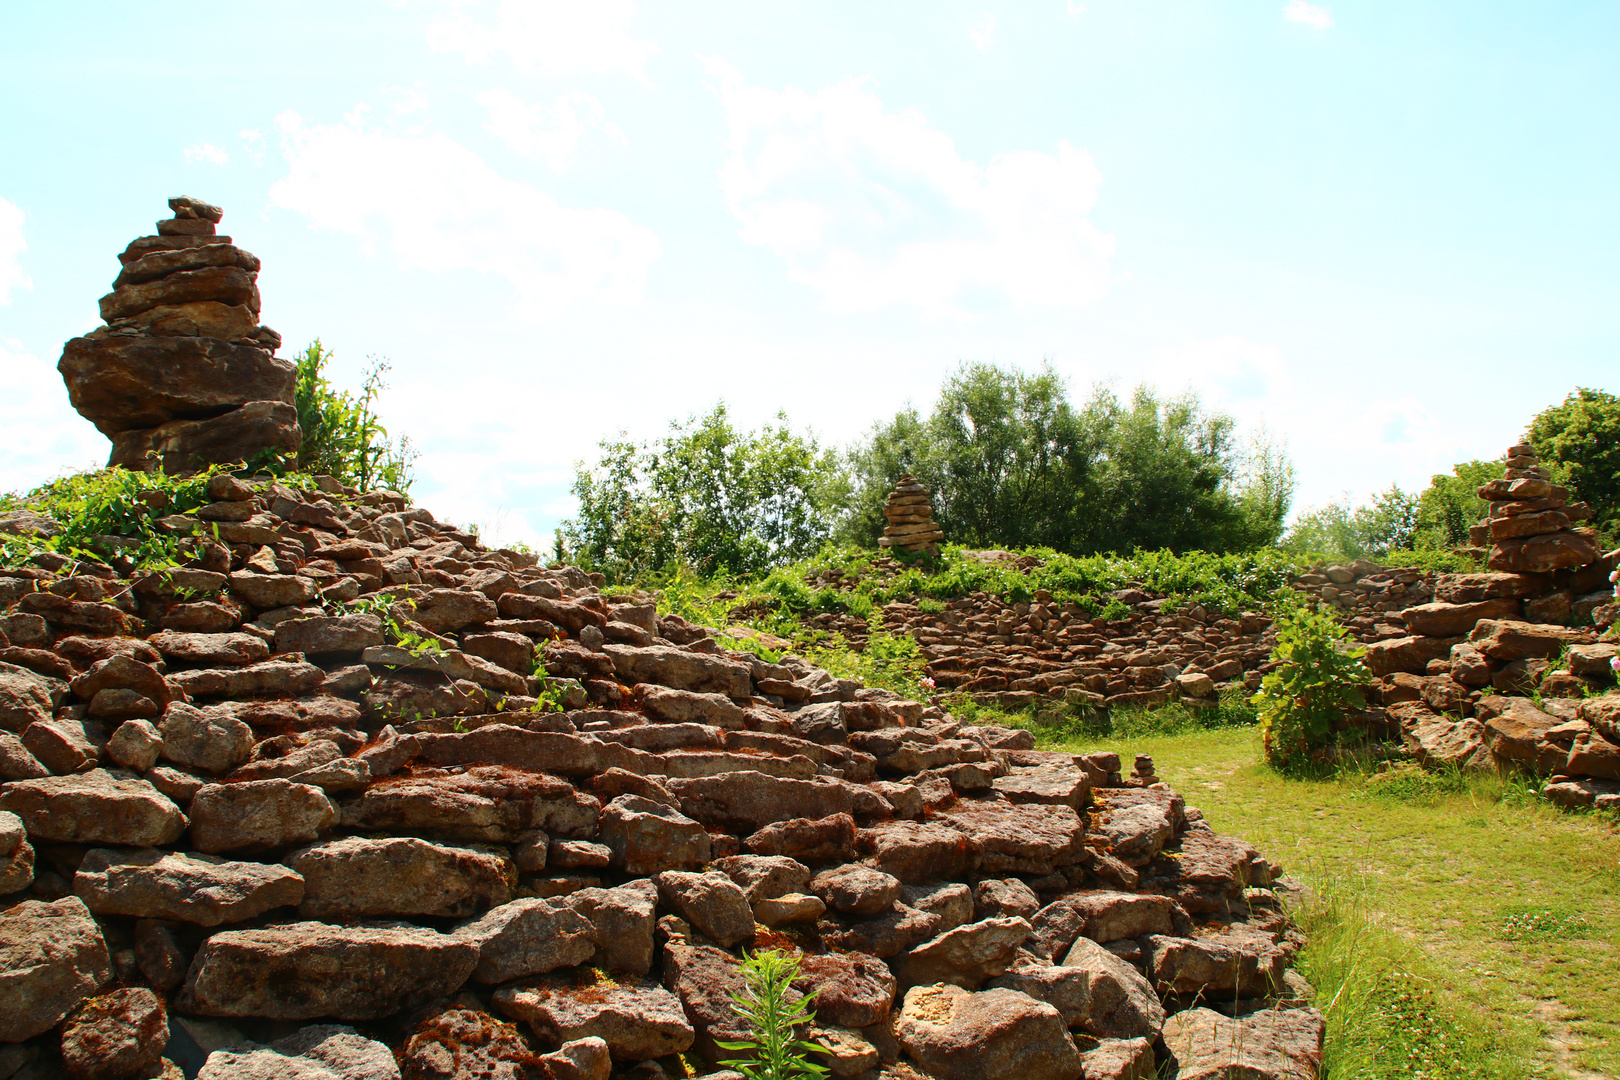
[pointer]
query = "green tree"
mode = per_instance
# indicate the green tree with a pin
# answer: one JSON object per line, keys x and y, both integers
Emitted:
{"x": 1579, "y": 442}
{"x": 1318, "y": 675}
{"x": 705, "y": 496}
{"x": 343, "y": 436}
{"x": 1390, "y": 522}
{"x": 1012, "y": 463}
{"x": 1450, "y": 505}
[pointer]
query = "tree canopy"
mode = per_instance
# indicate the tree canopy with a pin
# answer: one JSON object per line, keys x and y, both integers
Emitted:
{"x": 1579, "y": 442}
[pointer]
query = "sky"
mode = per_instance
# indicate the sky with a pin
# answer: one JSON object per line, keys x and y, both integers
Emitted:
{"x": 1380, "y": 233}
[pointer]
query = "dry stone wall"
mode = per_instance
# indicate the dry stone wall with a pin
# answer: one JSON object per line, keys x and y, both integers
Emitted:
{"x": 251, "y": 827}
{"x": 183, "y": 374}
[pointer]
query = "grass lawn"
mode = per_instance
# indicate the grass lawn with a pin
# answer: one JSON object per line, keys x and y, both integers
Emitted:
{"x": 1463, "y": 927}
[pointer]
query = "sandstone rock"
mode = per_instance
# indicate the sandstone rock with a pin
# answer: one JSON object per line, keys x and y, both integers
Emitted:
{"x": 639, "y": 1020}
{"x": 267, "y": 591}
{"x": 184, "y": 886}
{"x": 685, "y": 706}
{"x": 514, "y": 747}
{"x": 682, "y": 670}
{"x": 211, "y": 739}
{"x": 965, "y": 956}
{"x": 1136, "y": 833}
{"x": 646, "y": 837}
{"x": 1034, "y": 838}
{"x": 1438, "y": 741}
{"x": 852, "y": 989}
{"x": 529, "y": 937}
{"x": 1518, "y": 733}
{"x": 52, "y": 957}
{"x": 467, "y": 1042}
{"x": 763, "y": 877}
{"x": 1451, "y": 620}
{"x": 582, "y": 1059}
{"x": 327, "y": 634}
{"x": 919, "y": 851}
{"x": 318, "y": 1052}
{"x": 1120, "y": 1059}
{"x": 1104, "y": 916}
{"x": 1474, "y": 588}
{"x": 1411, "y": 654}
{"x": 63, "y": 745}
{"x": 357, "y": 877}
{"x": 1230, "y": 965}
{"x": 856, "y": 890}
{"x": 1278, "y": 1044}
{"x": 622, "y": 922}
{"x": 116, "y": 1035}
{"x": 274, "y": 678}
{"x": 895, "y": 931}
{"x": 1593, "y": 755}
{"x": 1004, "y": 897}
{"x": 789, "y": 909}
{"x": 1120, "y": 1003}
{"x": 956, "y": 1034}
{"x": 122, "y": 383}
{"x": 135, "y": 745}
{"x": 711, "y": 902}
{"x": 258, "y": 814}
{"x": 951, "y": 901}
{"x": 748, "y": 800}
{"x": 96, "y": 807}
{"x": 444, "y": 610}
{"x": 194, "y": 648}
{"x": 16, "y": 763}
{"x": 303, "y": 970}
{"x": 1541, "y": 554}
{"x": 188, "y": 445}
{"x": 706, "y": 979}
{"x": 828, "y": 839}
{"x": 25, "y": 698}
{"x": 1507, "y": 640}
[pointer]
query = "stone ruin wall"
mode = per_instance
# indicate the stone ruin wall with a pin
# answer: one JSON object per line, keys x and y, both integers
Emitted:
{"x": 248, "y": 829}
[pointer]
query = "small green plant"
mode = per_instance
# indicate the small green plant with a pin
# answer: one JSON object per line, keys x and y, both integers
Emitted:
{"x": 550, "y": 696}
{"x": 1318, "y": 676}
{"x": 773, "y": 1016}
{"x": 343, "y": 436}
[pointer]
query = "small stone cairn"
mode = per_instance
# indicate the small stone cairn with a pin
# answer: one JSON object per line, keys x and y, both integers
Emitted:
{"x": 183, "y": 376}
{"x": 1530, "y": 524}
{"x": 911, "y": 525}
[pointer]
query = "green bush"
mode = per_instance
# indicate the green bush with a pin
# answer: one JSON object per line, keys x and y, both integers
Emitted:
{"x": 1318, "y": 676}
{"x": 343, "y": 436}
{"x": 108, "y": 513}
{"x": 1579, "y": 442}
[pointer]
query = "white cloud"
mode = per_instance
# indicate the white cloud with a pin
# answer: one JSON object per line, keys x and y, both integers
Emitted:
{"x": 982, "y": 32}
{"x": 549, "y": 132}
{"x": 874, "y": 209}
{"x": 1312, "y": 15}
{"x": 1075, "y": 10}
{"x": 44, "y": 436}
{"x": 12, "y": 245}
{"x": 252, "y": 143}
{"x": 441, "y": 207}
{"x": 206, "y": 152}
{"x": 556, "y": 37}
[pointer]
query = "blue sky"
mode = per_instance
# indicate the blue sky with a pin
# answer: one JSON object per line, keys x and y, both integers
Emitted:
{"x": 1382, "y": 232}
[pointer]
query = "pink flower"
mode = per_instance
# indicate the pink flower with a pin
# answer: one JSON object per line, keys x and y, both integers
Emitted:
{"x": 1614, "y": 662}
{"x": 928, "y": 684}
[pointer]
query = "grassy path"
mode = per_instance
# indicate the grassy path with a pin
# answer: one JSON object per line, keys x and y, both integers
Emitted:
{"x": 1483, "y": 925}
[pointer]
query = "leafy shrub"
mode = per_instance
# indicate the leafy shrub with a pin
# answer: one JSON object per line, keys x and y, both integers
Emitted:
{"x": 1318, "y": 676}
{"x": 891, "y": 661}
{"x": 343, "y": 436}
{"x": 1579, "y": 442}
{"x": 108, "y": 512}
{"x": 775, "y": 1051}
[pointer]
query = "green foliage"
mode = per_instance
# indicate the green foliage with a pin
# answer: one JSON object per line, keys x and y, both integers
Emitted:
{"x": 1318, "y": 677}
{"x": 1450, "y": 505}
{"x": 705, "y": 496}
{"x": 1579, "y": 442}
{"x": 1012, "y": 463}
{"x": 1539, "y": 922}
{"x": 773, "y": 1012}
{"x": 109, "y": 512}
{"x": 343, "y": 436}
{"x": 892, "y": 661}
{"x": 1342, "y": 532}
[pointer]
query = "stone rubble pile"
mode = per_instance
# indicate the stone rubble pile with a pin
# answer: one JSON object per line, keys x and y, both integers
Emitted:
{"x": 910, "y": 516}
{"x": 1016, "y": 654}
{"x": 304, "y": 807}
{"x": 183, "y": 374}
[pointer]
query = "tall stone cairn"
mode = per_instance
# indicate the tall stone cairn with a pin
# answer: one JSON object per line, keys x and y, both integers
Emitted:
{"x": 911, "y": 525}
{"x": 1531, "y": 524}
{"x": 183, "y": 375}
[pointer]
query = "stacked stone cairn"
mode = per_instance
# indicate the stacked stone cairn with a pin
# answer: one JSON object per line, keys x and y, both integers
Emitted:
{"x": 183, "y": 375}
{"x": 1455, "y": 684}
{"x": 251, "y": 828}
{"x": 910, "y": 516}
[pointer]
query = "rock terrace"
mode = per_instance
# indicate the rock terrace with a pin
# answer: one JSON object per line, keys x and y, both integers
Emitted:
{"x": 236, "y": 805}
